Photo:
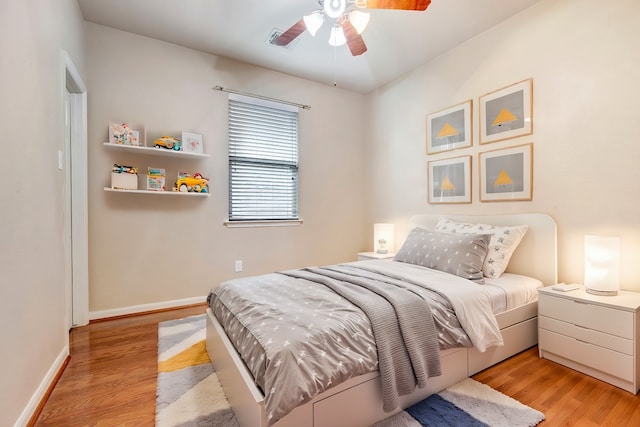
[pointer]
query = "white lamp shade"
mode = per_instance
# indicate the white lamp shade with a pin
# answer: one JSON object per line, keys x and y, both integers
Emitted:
{"x": 337, "y": 37}
{"x": 602, "y": 265}
{"x": 359, "y": 20}
{"x": 383, "y": 238}
{"x": 313, "y": 22}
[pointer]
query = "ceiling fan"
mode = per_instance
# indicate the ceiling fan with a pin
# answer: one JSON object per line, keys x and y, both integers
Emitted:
{"x": 349, "y": 21}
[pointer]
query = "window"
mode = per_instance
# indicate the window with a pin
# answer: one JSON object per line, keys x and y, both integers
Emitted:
{"x": 263, "y": 160}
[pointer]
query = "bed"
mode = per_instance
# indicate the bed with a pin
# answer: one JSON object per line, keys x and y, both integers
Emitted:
{"x": 535, "y": 257}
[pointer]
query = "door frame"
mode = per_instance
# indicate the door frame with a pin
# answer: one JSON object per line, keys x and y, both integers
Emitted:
{"x": 76, "y": 201}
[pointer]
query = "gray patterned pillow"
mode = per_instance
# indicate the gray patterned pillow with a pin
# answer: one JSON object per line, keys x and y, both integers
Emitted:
{"x": 504, "y": 241}
{"x": 459, "y": 254}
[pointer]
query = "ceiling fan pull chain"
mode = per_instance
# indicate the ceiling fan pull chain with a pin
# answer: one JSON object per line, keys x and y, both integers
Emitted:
{"x": 335, "y": 66}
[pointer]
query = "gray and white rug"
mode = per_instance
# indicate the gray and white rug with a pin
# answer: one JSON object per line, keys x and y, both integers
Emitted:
{"x": 188, "y": 391}
{"x": 190, "y": 395}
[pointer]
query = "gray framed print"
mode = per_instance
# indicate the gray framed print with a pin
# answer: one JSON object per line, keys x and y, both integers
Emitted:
{"x": 450, "y": 180}
{"x": 507, "y": 112}
{"x": 507, "y": 174}
{"x": 450, "y": 128}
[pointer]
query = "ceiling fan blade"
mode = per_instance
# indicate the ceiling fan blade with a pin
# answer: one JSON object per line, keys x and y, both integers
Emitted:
{"x": 354, "y": 40}
{"x": 291, "y": 34}
{"x": 398, "y": 4}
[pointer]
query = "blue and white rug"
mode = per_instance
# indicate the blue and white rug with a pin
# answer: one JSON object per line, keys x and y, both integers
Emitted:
{"x": 469, "y": 404}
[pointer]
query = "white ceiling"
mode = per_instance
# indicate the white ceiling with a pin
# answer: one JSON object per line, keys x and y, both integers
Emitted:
{"x": 397, "y": 41}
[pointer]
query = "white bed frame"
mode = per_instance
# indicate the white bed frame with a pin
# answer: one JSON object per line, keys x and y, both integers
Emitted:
{"x": 358, "y": 401}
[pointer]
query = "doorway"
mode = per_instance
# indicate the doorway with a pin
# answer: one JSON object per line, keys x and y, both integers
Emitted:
{"x": 73, "y": 161}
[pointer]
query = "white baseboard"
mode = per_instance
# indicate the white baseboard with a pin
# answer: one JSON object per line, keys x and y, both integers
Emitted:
{"x": 37, "y": 397}
{"x": 132, "y": 309}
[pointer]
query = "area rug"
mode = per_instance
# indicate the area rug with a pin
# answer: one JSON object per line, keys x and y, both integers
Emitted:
{"x": 188, "y": 391}
{"x": 468, "y": 403}
{"x": 190, "y": 395}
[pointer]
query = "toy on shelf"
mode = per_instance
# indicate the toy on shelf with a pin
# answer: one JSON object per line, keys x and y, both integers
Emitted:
{"x": 168, "y": 142}
{"x": 124, "y": 177}
{"x": 191, "y": 183}
{"x": 155, "y": 179}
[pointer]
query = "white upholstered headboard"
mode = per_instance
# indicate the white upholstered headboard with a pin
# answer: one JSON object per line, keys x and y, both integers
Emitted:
{"x": 537, "y": 254}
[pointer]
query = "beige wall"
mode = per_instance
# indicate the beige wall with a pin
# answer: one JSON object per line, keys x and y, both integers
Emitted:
{"x": 32, "y": 291}
{"x": 584, "y": 60}
{"x": 146, "y": 249}
{"x": 362, "y": 159}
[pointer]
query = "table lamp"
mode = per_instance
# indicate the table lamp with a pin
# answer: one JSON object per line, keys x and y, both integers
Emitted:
{"x": 602, "y": 265}
{"x": 383, "y": 237}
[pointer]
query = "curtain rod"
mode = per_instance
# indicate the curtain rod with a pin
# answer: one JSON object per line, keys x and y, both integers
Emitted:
{"x": 237, "y": 92}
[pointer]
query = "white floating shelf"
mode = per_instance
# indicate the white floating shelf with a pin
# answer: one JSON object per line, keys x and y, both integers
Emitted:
{"x": 155, "y": 151}
{"x": 158, "y": 193}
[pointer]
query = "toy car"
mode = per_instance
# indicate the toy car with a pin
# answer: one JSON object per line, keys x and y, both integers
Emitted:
{"x": 168, "y": 142}
{"x": 196, "y": 183}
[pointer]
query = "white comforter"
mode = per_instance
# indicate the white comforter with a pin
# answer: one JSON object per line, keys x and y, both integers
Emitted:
{"x": 471, "y": 302}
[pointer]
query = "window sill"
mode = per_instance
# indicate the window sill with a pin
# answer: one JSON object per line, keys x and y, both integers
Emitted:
{"x": 252, "y": 224}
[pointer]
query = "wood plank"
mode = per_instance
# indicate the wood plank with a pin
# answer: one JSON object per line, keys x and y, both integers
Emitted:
{"x": 111, "y": 377}
{"x": 111, "y": 381}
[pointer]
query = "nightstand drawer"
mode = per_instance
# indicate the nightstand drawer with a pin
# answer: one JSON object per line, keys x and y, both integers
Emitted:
{"x": 592, "y": 316}
{"x": 612, "y": 342}
{"x": 599, "y": 358}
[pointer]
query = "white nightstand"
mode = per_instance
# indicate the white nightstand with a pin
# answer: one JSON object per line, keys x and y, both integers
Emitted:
{"x": 373, "y": 255}
{"x": 596, "y": 335}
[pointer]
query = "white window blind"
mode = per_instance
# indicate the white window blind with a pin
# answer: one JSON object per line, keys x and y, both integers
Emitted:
{"x": 263, "y": 160}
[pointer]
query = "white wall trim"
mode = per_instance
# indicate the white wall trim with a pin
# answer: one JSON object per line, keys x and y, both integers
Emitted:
{"x": 79, "y": 188}
{"x": 46, "y": 382}
{"x": 133, "y": 309}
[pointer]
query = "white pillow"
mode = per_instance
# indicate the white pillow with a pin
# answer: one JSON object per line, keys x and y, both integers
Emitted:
{"x": 504, "y": 241}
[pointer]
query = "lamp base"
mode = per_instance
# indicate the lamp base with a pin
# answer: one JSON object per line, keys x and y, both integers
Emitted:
{"x": 382, "y": 251}
{"x": 604, "y": 293}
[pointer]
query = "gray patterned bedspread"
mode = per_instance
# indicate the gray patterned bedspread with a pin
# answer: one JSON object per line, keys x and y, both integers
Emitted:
{"x": 301, "y": 332}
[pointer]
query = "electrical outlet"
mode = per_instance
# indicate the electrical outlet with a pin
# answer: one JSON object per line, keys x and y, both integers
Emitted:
{"x": 238, "y": 266}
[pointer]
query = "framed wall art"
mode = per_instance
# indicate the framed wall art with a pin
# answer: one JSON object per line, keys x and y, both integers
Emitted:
{"x": 507, "y": 112}
{"x": 450, "y": 129}
{"x": 450, "y": 180}
{"x": 507, "y": 174}
{"x": 192, "y": 142}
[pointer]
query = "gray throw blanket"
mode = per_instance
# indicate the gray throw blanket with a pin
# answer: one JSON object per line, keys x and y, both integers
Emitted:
{"x": 402, "y": 323}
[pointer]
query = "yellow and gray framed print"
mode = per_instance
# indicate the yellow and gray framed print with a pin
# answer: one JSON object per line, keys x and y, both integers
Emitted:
{"x": 507, "y": 112}
{"x": 450, "y": 128}
{"x": 506, "y": 174}
{"x": 450, "y": 180}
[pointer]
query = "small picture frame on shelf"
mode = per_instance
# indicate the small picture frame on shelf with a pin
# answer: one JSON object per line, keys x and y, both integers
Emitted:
{"x": 192, "y": 142}
{"x": 121, "y": 133}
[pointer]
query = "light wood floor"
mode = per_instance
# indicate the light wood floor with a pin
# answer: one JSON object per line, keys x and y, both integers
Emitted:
{"x": 111, "y": 381}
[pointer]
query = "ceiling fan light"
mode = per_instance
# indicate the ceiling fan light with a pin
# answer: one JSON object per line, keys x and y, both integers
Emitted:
{"x": 337, "y": 37}
{"x": 334, "y": 8}
{"x": 313, "y": 22}
{"x": 359, "y": 20}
